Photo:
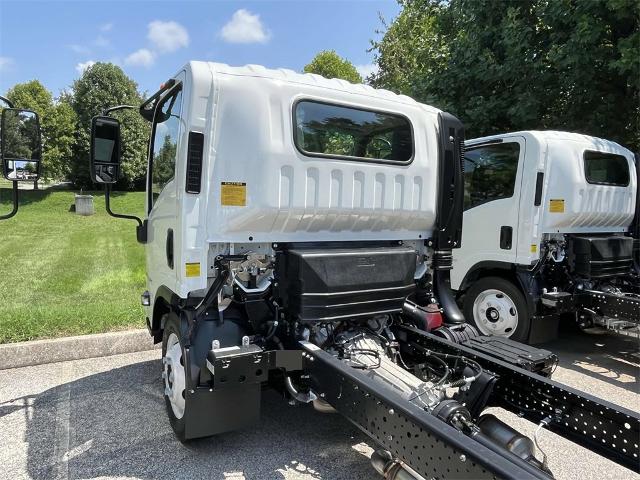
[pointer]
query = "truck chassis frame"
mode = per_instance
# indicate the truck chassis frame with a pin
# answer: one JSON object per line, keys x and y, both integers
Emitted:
{"x": 427, "y": 445}
{"x": 618, "y": 307}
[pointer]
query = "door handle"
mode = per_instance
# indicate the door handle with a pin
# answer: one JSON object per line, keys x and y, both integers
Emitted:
{"x": 169, "y": 248}
{"x": 506, "y": 237}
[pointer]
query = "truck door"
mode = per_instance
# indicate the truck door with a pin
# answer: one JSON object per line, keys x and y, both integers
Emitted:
{"x": 493, "y": 177}
{"x": 162, "y": 191}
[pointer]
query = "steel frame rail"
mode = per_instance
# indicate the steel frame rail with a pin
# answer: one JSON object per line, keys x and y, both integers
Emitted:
{"x": 607, "y": 429}
{"x": 625, "y": 306}
{"x": 425, "y": 443}
{"x": 622, "y": 307}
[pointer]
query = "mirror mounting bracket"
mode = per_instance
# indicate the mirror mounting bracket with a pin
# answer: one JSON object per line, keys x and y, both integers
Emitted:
{"x": 141, "y": 229}
{"x": 14, "y": 210}
{"x": 109, "y": 110}
{"x": 7, "y": 101}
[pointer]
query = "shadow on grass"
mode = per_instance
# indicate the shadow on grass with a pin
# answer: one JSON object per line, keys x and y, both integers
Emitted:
{"x": 114, "y": 424}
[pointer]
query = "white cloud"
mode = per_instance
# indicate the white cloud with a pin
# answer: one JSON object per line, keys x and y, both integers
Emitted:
{"x": 245, "y": 27}
{"x": 102, "y": 41}
{"x": 366, "y": 70}
{"x": 167, "y": 36}
{"x": 106, "y": 27}
{"x": 140, "y": 58}
{"x": 82, "y": 66}
{"x": 81, "y": 49}
{"x": 5, "y": 63}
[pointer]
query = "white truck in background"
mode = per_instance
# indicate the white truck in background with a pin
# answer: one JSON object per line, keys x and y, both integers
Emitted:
{"x": 550, "y": 228}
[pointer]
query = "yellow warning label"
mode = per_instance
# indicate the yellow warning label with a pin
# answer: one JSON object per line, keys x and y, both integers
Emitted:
{"x": 534, "y": 248}
{"x": 556, "y": 205}
{"x": 192, "y": 269}
{"x": 233, "y": 194}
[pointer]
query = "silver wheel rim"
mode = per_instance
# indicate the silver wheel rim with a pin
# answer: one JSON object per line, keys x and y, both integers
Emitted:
{"x": 495, "y": 313}
{"x": 174, "y": 376}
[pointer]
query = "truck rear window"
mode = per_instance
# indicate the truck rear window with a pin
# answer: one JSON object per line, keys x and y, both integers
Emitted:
{"x": 327, "y": 130}
{"x": 606, "y": 169}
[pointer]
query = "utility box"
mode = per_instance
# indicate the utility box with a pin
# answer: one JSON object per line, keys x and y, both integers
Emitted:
{"x": 84, "y": 205}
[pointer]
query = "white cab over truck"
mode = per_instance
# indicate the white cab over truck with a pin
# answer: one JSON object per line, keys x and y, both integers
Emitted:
{"x": 299, "y": 233}
{"x": 550, "y": 227}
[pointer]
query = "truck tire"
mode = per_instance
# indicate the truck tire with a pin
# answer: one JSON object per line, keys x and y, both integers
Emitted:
{"x": 497, "y": 307}
{"x": 174, "y": 374}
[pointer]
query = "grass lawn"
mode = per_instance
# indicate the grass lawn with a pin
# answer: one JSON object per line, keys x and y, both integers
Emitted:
{"x": 63, "y": 274}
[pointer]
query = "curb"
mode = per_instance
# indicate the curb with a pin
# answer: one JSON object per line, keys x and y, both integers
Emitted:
{"x": 38, "y": 352}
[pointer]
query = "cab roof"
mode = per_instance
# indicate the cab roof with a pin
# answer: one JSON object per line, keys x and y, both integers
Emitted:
{"x": 546, "y": 135}
{"x": 308, "y": 79}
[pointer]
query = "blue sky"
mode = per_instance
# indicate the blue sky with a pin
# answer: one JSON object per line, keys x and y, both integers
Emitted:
{"x": 150, "y": 40}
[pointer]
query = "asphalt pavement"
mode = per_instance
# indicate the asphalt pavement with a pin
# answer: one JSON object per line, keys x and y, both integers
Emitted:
{"x": 104, "y": 418}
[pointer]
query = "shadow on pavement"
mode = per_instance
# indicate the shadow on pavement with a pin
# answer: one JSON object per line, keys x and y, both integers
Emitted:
{"x": 607, "y": 356}
{"x": 113, "y": 424}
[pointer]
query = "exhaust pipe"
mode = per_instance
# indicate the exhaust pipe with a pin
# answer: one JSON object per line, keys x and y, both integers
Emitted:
{"x": 301, "y": 397}
{"x": 392, "y": 469}
{"x": 323, "y": 406}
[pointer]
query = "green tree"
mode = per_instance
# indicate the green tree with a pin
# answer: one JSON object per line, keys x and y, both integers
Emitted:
{"x": 330, "y": 65}
{"x": 101, "y": 86}
{"x": 61, "y": 137}
{"x": 58, "y": 125}
{"x": 164, "y": 162}
{"x": 503, "y": 65}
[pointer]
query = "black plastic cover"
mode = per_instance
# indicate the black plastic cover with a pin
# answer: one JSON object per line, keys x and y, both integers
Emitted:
{"x": 451, "y": 148}
{"x": 195, "y": 153}
{"x": 334, "y": 284}
{"x": 533, "y": 359}
{"x": 600, "y": 256}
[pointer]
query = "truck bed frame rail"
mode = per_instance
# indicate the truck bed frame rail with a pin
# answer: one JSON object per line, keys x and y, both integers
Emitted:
{"x": 600, "y": 426}
{"x": 624, "y": 306}
{"x": 429, "y": 446}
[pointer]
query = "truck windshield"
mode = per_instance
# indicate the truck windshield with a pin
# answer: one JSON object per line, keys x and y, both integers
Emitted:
{"x": 323, "y": 129}
{"x": 606, "y": 169}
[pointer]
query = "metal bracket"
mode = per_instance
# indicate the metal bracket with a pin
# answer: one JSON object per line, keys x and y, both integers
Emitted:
{"x": 234, "y": 366}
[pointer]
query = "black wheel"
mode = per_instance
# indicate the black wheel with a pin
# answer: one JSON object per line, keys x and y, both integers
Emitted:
{"x": 497, "y": 307}
{"x": 174, "y": 374}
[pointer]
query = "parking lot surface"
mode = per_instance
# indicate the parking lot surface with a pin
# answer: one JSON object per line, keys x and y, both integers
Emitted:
{"x": 104, "y": 418}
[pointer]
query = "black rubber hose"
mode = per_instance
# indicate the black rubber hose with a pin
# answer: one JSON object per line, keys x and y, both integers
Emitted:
{"x": 212, "y": 294}
{"x": 444, "y": 295}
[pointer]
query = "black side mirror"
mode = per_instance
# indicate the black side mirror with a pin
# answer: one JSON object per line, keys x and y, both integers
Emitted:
{"x": 20, "y": 144}
{"x": 105, "y": 149}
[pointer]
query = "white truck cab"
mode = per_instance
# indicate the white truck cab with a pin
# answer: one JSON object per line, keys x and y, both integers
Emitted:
{"x": 249, "y": 173}
{"x": 544, "y": 212}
